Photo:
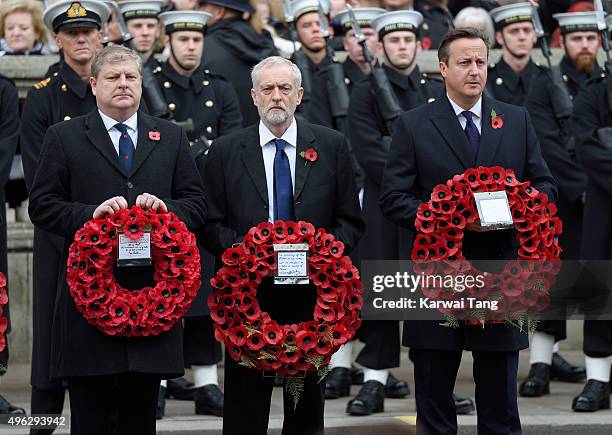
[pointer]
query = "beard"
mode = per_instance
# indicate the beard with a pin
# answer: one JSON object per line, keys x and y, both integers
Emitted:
{"x": 276, "y": 117}
{"x": 585, "y": 64}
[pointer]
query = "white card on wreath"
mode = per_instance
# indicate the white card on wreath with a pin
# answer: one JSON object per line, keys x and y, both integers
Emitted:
{"x": 134, "y": 252}
{"x": 292, "y": 263}
{"x": 493, "y": 209}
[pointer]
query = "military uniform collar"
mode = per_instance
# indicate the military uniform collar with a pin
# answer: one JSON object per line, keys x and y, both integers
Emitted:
{"x": 578, "y": 77}
{"x": 510, "y": 77}
{"x": 352, "y": 71}
{"x": 73, "y": 81}
{"x": 184, "y": 82}
{"x": 411, "y": 81}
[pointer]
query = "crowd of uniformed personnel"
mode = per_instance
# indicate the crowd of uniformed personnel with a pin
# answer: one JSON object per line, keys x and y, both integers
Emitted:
{"x": 204, "y": 85}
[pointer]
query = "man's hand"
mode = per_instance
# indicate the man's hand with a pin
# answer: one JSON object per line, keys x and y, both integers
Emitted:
{"x": 146, "y": 200}
{"x": 110, "y": 206}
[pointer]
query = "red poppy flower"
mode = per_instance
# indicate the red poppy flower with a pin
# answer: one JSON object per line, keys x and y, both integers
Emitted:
{"x": 238, "y": 335}
{"x": 119, "y": 311}
{"x": 426, "y": 42}
{"x": 497, "y": 122}
{"x": 471, "y": 176}
{"x": 272, "y": 334}
{"x": 306, "y": 340}
{"x": 255, "y": 341}
{"x": 311, "y": 154}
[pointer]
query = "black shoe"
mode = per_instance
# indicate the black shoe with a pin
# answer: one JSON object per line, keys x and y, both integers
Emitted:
{"x": 7, "y": 408}
{"x": 538, "y": 381}
{"x": 180, "y": 389}
{"x": 356, "y": 376}
{"x": 395, "y": 388}
{"x": 463, "y": 405}
{"x": 596, "y": 395}
{"x": 161, "y": 403}
{"x": 209, "y": 400}
{"x": 371, "y": 398}
{"x": 561, "y": 370}
{"x": 338, "y": 383}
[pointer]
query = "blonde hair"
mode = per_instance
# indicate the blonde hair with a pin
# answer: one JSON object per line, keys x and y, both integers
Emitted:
{"x": 35, "y": 9}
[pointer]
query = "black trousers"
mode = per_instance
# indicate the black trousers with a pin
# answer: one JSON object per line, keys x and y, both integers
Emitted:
{"x": 248, "y": 394}
{"x": 122, "y": 404}
{"x": 382, "y": 344}
{"x": 46, "y": 401}
{"x": 200, "y": 347}
{"x": 435, "y": 372}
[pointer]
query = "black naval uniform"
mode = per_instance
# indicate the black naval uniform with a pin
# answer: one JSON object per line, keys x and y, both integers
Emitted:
{"x": 211, "y": 103}
{"x": 60, "y": 97}
{"x": 318, "y": 79}
{"x": 383, "y": 240}
{"x": 568, "y": 172}
{"x": 436, "y": 22}
{"x": 504, "y": 84}
{"x": 592, "y": 112}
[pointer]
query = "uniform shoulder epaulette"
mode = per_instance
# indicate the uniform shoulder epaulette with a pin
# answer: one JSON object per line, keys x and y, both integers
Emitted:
{"x": 41, "y": 84}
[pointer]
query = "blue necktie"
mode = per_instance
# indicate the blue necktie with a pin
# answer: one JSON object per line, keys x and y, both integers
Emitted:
{"x": 126, "y": 149}
{"x": 471, "y": 131}
{"x": 283, "y": 187}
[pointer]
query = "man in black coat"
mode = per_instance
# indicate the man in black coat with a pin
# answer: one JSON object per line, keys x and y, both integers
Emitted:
{"x": 210, "y": 102}
{"x": 89, "y": 168}
{"x": 592, "y": 117}
{"x": 579, "y": 65}
{"x": 383, "y": 240}
{"x": 60, "y": 97}
{"x": 233, "y": 47}
{"x": 239, "y": 184}
{"x": 430, "y": 145}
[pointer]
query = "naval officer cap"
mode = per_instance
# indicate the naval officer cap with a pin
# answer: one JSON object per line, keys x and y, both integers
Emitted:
{"x": 177, "y": 21}
{"x": 396, "y": 21}
{"x": 76, "y": 14}
{"x": 512, "y": 14}
{"x": 300, "y": 8}
{"x": 577, "y": 22}
{"x": 364, "y": 17}
{"x": 132, "y": 9}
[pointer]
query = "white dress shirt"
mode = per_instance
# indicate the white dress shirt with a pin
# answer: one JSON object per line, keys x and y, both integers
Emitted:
{"x": 268, "y": 150}
{"x": 132, "y": 128}
{"x": 476, "y": 113}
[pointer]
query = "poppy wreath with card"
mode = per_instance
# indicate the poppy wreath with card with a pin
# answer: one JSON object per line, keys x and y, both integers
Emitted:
{"x": 255, "y": 340}
{"x": 521, "y": 288}
{"x": 3, "y": 318}
{"x": 115, "y": 310}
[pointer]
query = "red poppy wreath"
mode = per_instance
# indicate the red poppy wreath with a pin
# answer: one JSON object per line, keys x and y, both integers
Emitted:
{"x": 3, "y": 318}
{"x": 521, "y": 289}
{"x": 115, "y": 310}
{"x": 251, "y": 336}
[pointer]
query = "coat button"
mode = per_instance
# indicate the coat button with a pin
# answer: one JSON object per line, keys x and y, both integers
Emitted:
{"x": 423, "y": 81}
{"x": 206, "y": 83}
{"x": 209, "y": 129}
{"x": 172, "y": 106}
{"x": 67, "y": 118}
{"x": 565, "y": 78}
{"x": 167, "y": 85}
{"x": 64, "y": 88}
{"x": 209, "y": 103}
{"x": 499, "y": 81}
{"x": 130, "y": 185}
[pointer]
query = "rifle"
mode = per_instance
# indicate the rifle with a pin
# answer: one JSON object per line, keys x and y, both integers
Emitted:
{"x": 386, "y": 99}
{"x": 336, "y": 86}
{"x": 559, "y": 93}
{"x": 125, "y": 35}
{"x": 605, "y": 42}
{"x": 299, "y": 57}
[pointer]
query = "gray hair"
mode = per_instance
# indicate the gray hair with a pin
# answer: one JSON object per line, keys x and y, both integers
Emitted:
{"x": 114, "y": 54}
{"x": 272, "y": 61}
{"x": 476, "y": 18}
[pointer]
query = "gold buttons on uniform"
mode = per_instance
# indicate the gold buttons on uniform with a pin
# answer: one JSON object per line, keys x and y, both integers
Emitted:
{"x": 209, "y": 103}
{"x": 206, "y": 83}
{"x": 565, "y": 79}
{"x": 499, "y": 81}
{"x": 209, "y": 129}
{"x": 167, "y": 85}
{"x": 172, "y": 106}
{"x": 431, "y": 100}
{"x": 157, "y": 70}
{"x": 425, "y": 26}
{"x": 347, "y": 80}
{"x": 67, "y": 118}
{"x": 423, "y": 81}
{"x": 64, "y": 88}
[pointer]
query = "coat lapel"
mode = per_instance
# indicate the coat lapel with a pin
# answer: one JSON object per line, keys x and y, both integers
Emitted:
{"x": 145, "y": 145}
{"x": 490, "y": 137}
{"x": 252, "y": 158}
{"x": 444, "y": 118}
{"x": 98, "y": 136}
{"x": 305, "y": 140}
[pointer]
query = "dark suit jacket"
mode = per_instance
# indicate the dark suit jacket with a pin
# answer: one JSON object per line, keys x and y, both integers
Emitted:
{"x": 78, "y": 170}
{"x": 235, "y": 184}
{"x": 428, "y": 148}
